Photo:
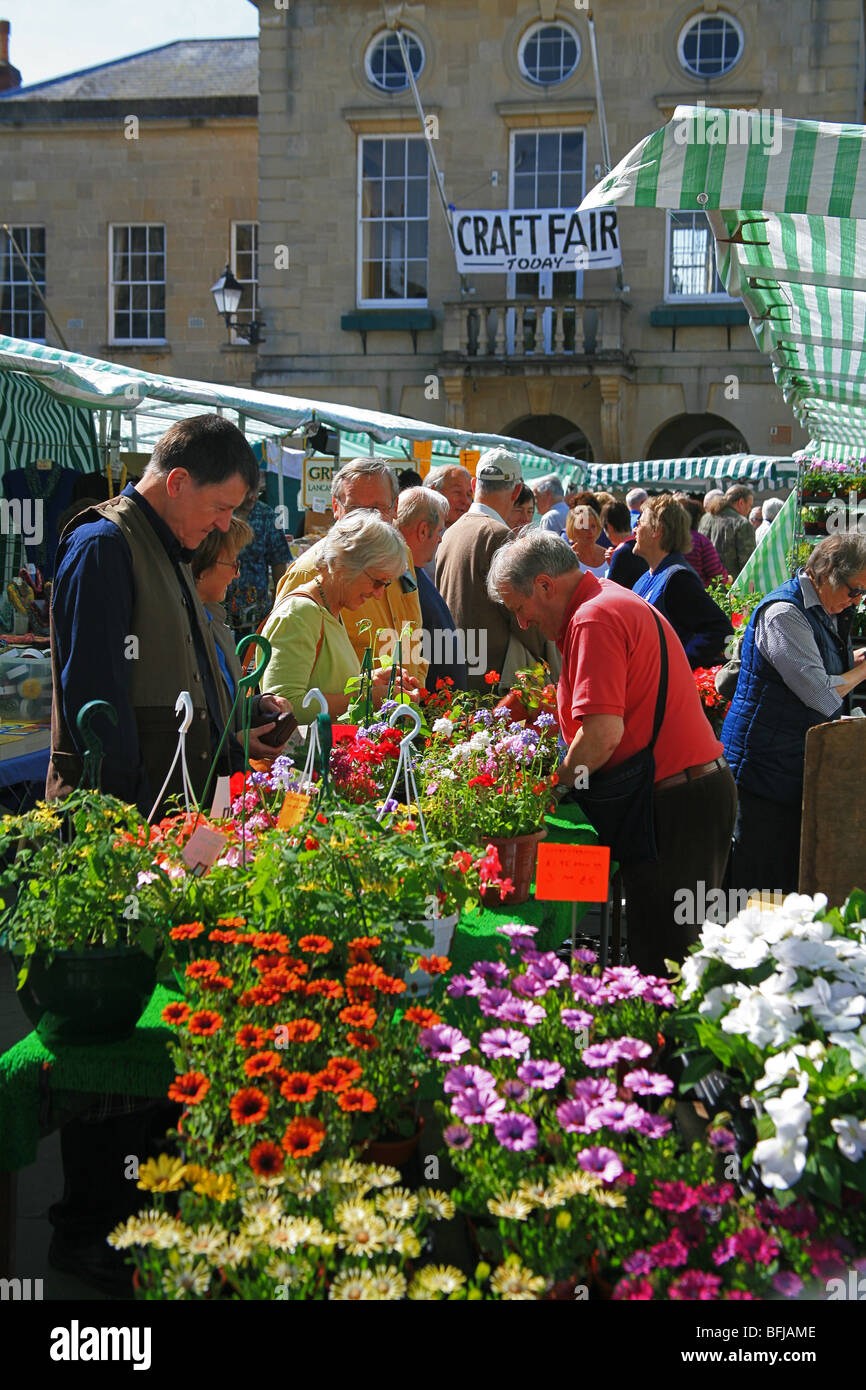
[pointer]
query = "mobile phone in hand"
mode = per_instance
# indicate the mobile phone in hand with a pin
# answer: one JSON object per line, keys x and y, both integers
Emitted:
{"x": 283, "y": 729}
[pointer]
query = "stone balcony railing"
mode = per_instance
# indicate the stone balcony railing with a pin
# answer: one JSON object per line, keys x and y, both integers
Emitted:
{"x": 503, "y": 329}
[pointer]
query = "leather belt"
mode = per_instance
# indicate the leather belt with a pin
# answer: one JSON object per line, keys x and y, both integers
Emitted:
{"x": 691, "y": 774}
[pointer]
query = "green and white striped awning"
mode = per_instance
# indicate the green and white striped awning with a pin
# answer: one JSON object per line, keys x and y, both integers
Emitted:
{"x": 533, "y": 465}
{"x": 756, "y": 466}
{"x": 146, "y": 404}
{"x": 769, "y": 565}
{"x": 786, "y": 201}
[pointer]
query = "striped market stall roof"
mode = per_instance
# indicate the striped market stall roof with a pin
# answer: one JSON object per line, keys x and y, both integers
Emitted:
{"x": 144, "y": 405}
{"x": 755, "y": 466}
{"x": 534, "y": 466}
{"x": 769, "y": 565}
{"x": 786, "y": 200}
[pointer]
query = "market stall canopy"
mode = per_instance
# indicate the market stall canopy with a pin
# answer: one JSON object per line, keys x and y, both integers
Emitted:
{"x": 146, "y": 404}
{"x": 533, "y": 465}
{"x": 786, "y": 200}
{"x": 755, "y": 466}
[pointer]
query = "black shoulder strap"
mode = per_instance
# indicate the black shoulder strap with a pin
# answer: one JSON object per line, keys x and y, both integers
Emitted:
{"x": 663, "y": 682}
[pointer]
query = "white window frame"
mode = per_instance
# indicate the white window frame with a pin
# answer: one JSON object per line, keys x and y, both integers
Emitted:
{"x": 689, "y": 25}
{"x": 545, "y": 292}
{"x": 363, "y": 303}
{"x": 113, "y": 339}
{"x": 717, "y": 297}
{"x": 34, "y": 305}
{"x": 245, "y": 315}
{"x": 374, "y": 43}
{"x": 530, "y": 33}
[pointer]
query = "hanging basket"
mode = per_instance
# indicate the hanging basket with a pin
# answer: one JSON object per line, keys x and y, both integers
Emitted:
{"x": 517, "y": 856}
{"x": 91, "y": 996}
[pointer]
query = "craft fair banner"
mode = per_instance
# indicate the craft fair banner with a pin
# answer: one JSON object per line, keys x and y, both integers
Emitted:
{"x": 505, "y": 239}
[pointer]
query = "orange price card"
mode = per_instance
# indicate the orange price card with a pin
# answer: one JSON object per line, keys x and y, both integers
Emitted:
{"x": 422, "y": 452}
{"x": 293, "y": 810}
{"x": 573, "y": 873}
{"x": 469, "y": 458}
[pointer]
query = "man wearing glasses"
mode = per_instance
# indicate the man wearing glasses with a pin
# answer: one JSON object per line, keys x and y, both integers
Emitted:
{"x": 798, "y": 669}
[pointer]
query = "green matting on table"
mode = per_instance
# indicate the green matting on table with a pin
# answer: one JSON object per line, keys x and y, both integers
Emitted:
{"x": 138, "y": 1066}
{"x": 141, "y": 1065}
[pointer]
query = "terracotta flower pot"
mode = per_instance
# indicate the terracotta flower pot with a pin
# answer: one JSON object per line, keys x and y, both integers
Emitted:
{"x": 394, "y": 1152}
{"x": 517, "y": 855}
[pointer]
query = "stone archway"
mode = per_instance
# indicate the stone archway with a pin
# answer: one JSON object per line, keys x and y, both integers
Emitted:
{"x": 551, "y": 432}
{"x": 694, "y": 436}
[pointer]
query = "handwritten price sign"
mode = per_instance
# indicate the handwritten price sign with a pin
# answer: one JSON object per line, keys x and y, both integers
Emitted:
{"x": 293, "y": 810}
{"x": 573, "y": 873}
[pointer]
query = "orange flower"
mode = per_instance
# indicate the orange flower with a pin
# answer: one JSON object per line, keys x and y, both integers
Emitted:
{"x": 364, "y": 943}
{"x": 251, "y": 1036}
{"x": 189, "y": 1089}
{"x": 187, "y": 931}
{"x": 316, "y": 945}
{"x": 266, "y": 1160}
{"x": 365, "y": 1042}
{"x": 205, "y": 1022}
{"x": 388, "y": 985}
{"x": 268, "y": 960}
{"x": 339, "y": 1074}
{"x": 363, "y": 975}
{"x": 358, "y": 1016}
{"x": 357, "y": 1100}
{"x": 202, "y": 969}
{"x": 175, "y": 1014}
{"x": 361, "y": 996}
{"x": 425, "y": 1018}
{"x": 299, "y": 1086}
{"x": 287, "y": 981}
{"x": 216, "y": 983}
{"x": 329, "y": 989}
{"x": 304, "y": 1137}
{"x": 262, "y": 996}
{"x": 435, "y": 965}
{"x": 231, "y": 921}
{"x": 271, "y": 941}
{"x": 228, "y": 938}
{"x": 261, "y": 1064}
{"x": 248, "y": 1106}
{"x": 303, "y": 1030}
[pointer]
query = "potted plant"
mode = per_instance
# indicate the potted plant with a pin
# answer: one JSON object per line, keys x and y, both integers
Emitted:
{"x": 814, "y": 521}
{"x": 84, "y": 938}
{"x": 821, "y": 479}
{"x": 532, "y": 694}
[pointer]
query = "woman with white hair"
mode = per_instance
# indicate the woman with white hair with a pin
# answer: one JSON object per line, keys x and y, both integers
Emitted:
{"x": 358, "y": 558}
{"x": 769, "y": 511}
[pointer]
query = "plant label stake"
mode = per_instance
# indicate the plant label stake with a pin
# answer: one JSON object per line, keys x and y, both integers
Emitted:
{"x": 183, "y": 705}
{"x": 314, "y": 734}
{"x": 91, "y": 767}
{"x": 406, "y": 764}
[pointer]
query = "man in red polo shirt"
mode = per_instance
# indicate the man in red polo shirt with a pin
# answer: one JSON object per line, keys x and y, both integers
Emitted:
{"x": 606, "y": 699}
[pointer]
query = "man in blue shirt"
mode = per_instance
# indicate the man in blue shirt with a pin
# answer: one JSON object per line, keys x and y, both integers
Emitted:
{"x": 421, "y": 517}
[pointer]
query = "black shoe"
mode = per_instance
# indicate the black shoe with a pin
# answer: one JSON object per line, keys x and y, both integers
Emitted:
{"x": 96, "y": 1264}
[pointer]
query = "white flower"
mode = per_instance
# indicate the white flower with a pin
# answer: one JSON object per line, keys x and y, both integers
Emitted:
{"x": 799, "y": 907}
{"x": 460, "y": 752}
{"x": 851, "y": 1136}
{"x": 805, "y": 952}
{"x": 715, "y": 1001}
{"x": 443, "y": 726}
{"x": 779, "y": 1066}
{"x": 479, "y": 741}
{"x": 737, "y": 944}
{"x": 789, "y": 1112}
{"x": 855, "y": 1046}
{"x": 766, "y": 1018}
{"x": 781, "y": 1159}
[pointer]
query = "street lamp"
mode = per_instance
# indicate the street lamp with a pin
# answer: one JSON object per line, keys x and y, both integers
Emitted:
{"x": 227, "y": 294}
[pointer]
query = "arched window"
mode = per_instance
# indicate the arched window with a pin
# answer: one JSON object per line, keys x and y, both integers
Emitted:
{"x": 549, "y": 53}
{"x": 710, "y": 45}
{"x": 384, "y": 61}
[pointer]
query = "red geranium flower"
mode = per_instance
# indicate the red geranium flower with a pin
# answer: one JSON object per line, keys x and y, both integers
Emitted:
{"x": 299, "y": 1086}
{"x": 492, "y": 678}
{"x": 266, "y": 1160}
{"x": 249, "y": 1106}
{"x": 357, "y": 1100}
{"x": 205, "y": 1022}
{"x": 304, "y": 1137}
{"x": 484, "y": 779}
{"x": 175, "y": 1014}
{"x": 189, "y": 1089}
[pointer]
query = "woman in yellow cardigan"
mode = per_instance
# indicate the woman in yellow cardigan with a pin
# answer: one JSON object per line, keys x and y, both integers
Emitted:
{"x": 357, "y": 559}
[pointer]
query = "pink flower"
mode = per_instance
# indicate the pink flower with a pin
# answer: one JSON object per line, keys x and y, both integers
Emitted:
{"x": 634, "y": 1289}
{"x": 648, "y": 1083}
{"x": 576, "y": 1117}
{"x": 671, "y": 1252}
{"x": 600, "y": 1160}
{"x": 695, "y": 1284}
{"x": 503, "y": 1042}
{"x": 576, "y": 1019}
{"x": 674, "y": 1196}
{"x": 787, "y": 1283}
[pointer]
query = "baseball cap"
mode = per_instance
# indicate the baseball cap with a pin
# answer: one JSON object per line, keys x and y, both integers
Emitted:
{"x": 499, "y": 466}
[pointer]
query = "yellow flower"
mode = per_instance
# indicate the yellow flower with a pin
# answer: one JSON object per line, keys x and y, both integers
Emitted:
{"x": 399, "y": 1204}
{"x": 513, "y": 1282}
{"x": 353, "y": 1285}
{"x": 563, "y": 1220}
{"x": 436, "y": 1204}
{"x": 513, "y": 1208}
{"x": 163, "y": 1174}
{"x": 219, "y": 1186}
{"x": 436, "y": 1279}
{"x": 606, "y": 1198}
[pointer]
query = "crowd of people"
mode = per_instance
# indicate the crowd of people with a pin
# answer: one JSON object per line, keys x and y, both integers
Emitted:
{"x": 458, "y": 578}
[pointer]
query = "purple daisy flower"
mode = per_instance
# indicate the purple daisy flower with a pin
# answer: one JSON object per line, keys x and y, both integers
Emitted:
{"x": 594, "y": 1090}
{"x": 652, "y": 1126}
{"x": 458, "y": 1137}
{"x": 630, "y": 1049}
{"x": 723, "y": 1139}
{"x": 492, "y": 1000}
{"x": 576, "y": 1117}
{"x": 492, "y": 972}
{"x": 466, "y": 1076}
{"x": 648, "y": 1083}
{"x": 457, "y": 986}
{"x": 585, "y": 955}
{"x": 503, "y": 1042}
{"x": 659, "y": 992}
{"x": 521, "y": 1011}
{"x": 515, "y": 1090}
{"x": 513, "y": 929}
{"x": 541, "y": 1075}
{"x": 529, "y": 985}
{"x": 444, "y": 1044}
{"x": 477, "y": 1107}
{"x": 619, "y": 1116}
{"x": 787, "y": 1283}
{"x": 516, "y": 1131}
{"x": 576, "y": 1019}
{"x": 587, "y": 988}
{"x": 599, "y": 1160}
{"x": 622, "y": 982}
{"x": 638, "y": 1263}
{"x": 603, "y": 1054}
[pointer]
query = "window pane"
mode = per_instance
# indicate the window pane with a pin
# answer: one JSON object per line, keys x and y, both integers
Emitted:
{"x": 572, "y": 149}
{"x": 138, "y": 268}
{"x": 416, "y": 280}
{"x": 395, "y": 192}
{"x": 138, "y": 238}
{"x": 121, "y": 298}
{"x": 139, "y": 326}
{"x": 372, "y": 158}
{"x": 371, "y": 241}
{"x": 395, "y": 157}
{"x": 371, "y": 280}
{"x": 416, "y": 239}
{"x": 139, "y": 297}
{"x": 417, "y": 158}
{"x": 524, "y": 192}
{"x": 571, "y": 193}
{"x": 416, "y": 198}
{"x": 157, "y": 296}
{"x": 157, "y": 325}
{"x": 548, "y": 191}
{"x": 371, "y": 198}
{"x": 548, "y": 153}
{"x": 524, "y": 154}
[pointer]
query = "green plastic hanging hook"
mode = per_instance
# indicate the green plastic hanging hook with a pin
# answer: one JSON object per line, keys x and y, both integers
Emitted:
{"x": 252, "y": 678}
{"x": 93, "y": 748}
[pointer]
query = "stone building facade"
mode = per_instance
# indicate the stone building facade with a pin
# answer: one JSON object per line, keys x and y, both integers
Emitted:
{"x": 358, "y": 281}
{"x": 128, "y": 187}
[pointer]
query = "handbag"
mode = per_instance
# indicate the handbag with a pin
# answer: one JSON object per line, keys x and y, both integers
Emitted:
{"x": 619, "y": 801}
